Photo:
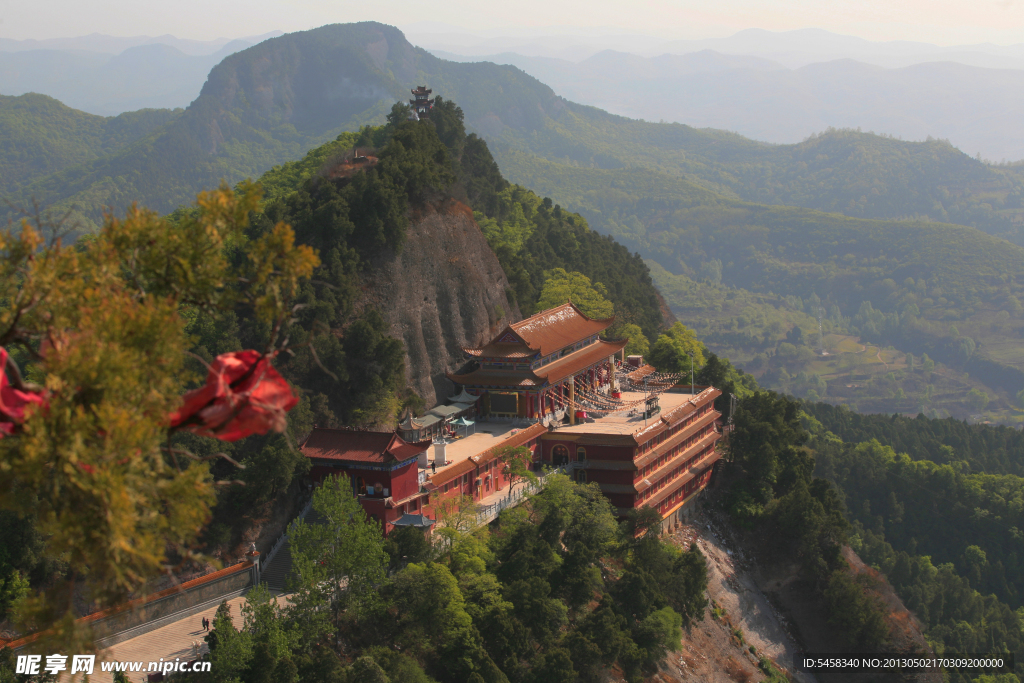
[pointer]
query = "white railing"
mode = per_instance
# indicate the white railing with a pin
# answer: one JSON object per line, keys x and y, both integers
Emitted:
{"x": 279, "y": 543}
{"x": 489, "y": 513}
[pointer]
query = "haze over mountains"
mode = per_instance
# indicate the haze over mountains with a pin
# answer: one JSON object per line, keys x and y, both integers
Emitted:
{"x": 777, "y": 87}
{"x": 865, "y": 224}
{"x": 977, "y": 109}
{"x": 109, "y": 75}
{"x": 792, "y": 49}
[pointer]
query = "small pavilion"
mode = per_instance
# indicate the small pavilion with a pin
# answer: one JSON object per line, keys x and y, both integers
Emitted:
{"x": 422, "y": 102}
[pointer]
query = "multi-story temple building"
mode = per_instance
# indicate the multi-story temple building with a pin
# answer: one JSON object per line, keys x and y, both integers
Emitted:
{"x": 532, "y": 368}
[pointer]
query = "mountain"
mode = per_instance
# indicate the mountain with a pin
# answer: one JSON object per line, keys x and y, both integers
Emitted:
{"x": 793, "y": 49}
{"x": 272, "y": 102}
{"x": 762, "y": 99}
{"x": 112, "y": 45}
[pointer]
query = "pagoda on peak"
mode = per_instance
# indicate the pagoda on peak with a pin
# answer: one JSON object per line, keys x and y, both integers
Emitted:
{"x": 422, "y": 102}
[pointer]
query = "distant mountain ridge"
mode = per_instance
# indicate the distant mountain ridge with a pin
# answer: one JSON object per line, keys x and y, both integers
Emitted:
{"x": 274, "y": 101}
{"x": 765, "y": 100}
{"x": 108, "y": 76}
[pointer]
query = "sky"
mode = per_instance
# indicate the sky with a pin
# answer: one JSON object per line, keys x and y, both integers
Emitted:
{"x": 942, "y": 22}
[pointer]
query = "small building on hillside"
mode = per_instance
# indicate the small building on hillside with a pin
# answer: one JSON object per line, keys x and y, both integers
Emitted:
{"x": 532, "y": 368}
{"x": 383, "y": 470}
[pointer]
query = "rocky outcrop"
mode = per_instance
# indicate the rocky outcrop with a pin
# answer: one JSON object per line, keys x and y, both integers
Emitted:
{"x": 443, "y": 292}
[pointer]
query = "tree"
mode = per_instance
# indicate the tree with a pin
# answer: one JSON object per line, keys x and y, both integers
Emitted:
{"x": 858, "y": 615}
{"x": 456, "y": 516}
{"x": 230, "y": 649}
{"x": 407, "y": 544}
{"x": 767, "y": 441}
{"x": 338, "y": 561}
{"x": 977, "y": 399}
{"x": 674, "y": 350}
{"x": 561, "y": 287}
{"x": 638, "y": 344}
{"x": 687, "y": 592}
{"x": 515, "y": 466}
{"x": 101, "y": 327}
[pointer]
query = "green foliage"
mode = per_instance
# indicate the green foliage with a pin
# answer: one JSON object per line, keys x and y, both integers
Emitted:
{"x": 533, "y": 237}
{"x": 515, "y": 466}
{"x": 767, "y": 442}
{"x": 677, "y": 350}
{"x": 561, "y": 287}
{"x": 406, "y": 545}
{"x": 947, "y": 539}
{"x": 340, "y": 561}
{"x": 858, "y": 616}
{"x": 989, "y": 449}
{"x": 42, "y": 136}
{"x": 638, "y": 344}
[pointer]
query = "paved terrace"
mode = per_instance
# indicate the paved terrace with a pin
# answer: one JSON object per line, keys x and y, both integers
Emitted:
{"x": 488, "y": 435}
{"x": 631, "y": 421}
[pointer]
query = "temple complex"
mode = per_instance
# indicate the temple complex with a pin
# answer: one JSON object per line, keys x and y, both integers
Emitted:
{"x": 551, "y": 385}
{"x": 532, "y": 368}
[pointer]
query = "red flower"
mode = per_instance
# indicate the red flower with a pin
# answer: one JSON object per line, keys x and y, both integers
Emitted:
{"x": 14, "y": 402}
{"x": 243, "y": 395}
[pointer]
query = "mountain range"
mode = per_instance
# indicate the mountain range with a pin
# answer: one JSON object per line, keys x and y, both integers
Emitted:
{"x": 844, "y": 218}
{"x": 766, "y": 100}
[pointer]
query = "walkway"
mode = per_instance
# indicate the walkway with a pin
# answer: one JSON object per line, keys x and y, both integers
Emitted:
{"x": 174, "y": 641}
{"x": 490, "y": 507}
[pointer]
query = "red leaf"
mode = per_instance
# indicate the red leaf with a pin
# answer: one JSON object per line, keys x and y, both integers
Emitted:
{"x": 14, "y": 402}
{"x": 243, "y": 395}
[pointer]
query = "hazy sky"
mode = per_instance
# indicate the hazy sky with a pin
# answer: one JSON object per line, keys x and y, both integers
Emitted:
{"x": 945, "y": 22}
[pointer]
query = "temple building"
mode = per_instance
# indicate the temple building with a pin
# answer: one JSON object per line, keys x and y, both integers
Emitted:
{"x": 421, "y": 102}
{"x": 533, "y": 368}
{"x": 638, "y": 459}
{"x": 382, "y": 469}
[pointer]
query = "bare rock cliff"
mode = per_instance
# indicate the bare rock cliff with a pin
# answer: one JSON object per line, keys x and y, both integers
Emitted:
{"x": 443, "y": 292}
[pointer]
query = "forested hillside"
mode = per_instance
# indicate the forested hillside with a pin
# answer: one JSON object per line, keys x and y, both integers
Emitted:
{"x": 40, "y": 136}
{"x": 909, "y": 284}
{"x": 271, "y": 103}
{"x": 857, "y": 174}
{"x": 935, "y": 506}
